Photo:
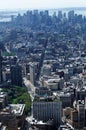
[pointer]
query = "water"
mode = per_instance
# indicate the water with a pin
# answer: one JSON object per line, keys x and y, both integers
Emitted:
{"x": 5, "y": 16}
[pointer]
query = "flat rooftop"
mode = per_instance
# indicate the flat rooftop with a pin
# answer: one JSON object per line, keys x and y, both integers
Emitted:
{"x": 17, "y": 109}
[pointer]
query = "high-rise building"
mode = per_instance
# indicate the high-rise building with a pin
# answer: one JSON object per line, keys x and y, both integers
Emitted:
{"x": 16, "y": 75}
{"x": 46, "y": 13}
{"x": 1, "y": 68}
{"x": 85, "y": 111}
{"x": 47, "y": 109}
{"x": 81, "y": 113}
{"x": 59, "y": 14}
{"x": 32, "y": 73}
{"x": 71, "y": 15}
{"x": 74, "y": 118}
{"x": 78, "y": 115}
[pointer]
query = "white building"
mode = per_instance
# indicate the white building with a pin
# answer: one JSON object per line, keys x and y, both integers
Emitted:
{"x": 46, "y": 69}
{"x": 54, "y": 84}
{"x": 32, "y": 73}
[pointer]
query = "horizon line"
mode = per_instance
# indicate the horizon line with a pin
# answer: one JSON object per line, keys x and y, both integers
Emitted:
{"x": 24, "y": 9}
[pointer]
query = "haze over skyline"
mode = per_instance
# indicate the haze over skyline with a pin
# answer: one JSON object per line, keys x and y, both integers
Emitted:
{"x": 40, "y": 4}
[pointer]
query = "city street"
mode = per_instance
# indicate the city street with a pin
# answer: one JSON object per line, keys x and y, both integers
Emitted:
{"x": 31, "y": 91}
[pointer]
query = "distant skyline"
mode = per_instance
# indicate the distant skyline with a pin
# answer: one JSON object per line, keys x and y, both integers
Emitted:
{"x": 40, "y": 4}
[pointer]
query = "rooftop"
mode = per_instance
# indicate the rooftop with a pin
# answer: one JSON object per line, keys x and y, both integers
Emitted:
{"x": 17, "y": 109}
{"x": 46, "y": 99}
{"x": 2, "y": 94}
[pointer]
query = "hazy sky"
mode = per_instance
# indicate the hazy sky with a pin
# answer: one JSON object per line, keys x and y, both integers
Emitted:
{"x": 40, "y": 4}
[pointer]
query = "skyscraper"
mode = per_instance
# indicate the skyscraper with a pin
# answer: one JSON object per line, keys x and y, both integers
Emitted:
{"x": 59, "y": 14}
{"x": 16, "y": 75}
{"x": 0, "y": 67}
{"x": 32, "y": 73}
{"x": 71, "y": 15}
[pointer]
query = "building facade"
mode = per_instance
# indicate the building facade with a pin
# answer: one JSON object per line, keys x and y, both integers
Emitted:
{"x": 0, "y": 67}
{"x": 16, "y": 75}
{"x": 47, "y": 111}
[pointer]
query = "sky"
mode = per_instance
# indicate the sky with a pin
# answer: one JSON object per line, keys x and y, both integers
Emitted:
{"x": 40, "y": 4}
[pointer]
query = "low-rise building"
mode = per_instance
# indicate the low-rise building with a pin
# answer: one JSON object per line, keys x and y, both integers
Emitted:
{"x": 54, "y": 84}
{"x": 13, "y": 116}
{"x": 3, "y": 100}
{"x": 19, "y": 112}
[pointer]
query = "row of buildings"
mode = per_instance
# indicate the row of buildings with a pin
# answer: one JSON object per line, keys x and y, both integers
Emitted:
{"x": 12, "y": 116}
{"x": 50, "y": 52}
